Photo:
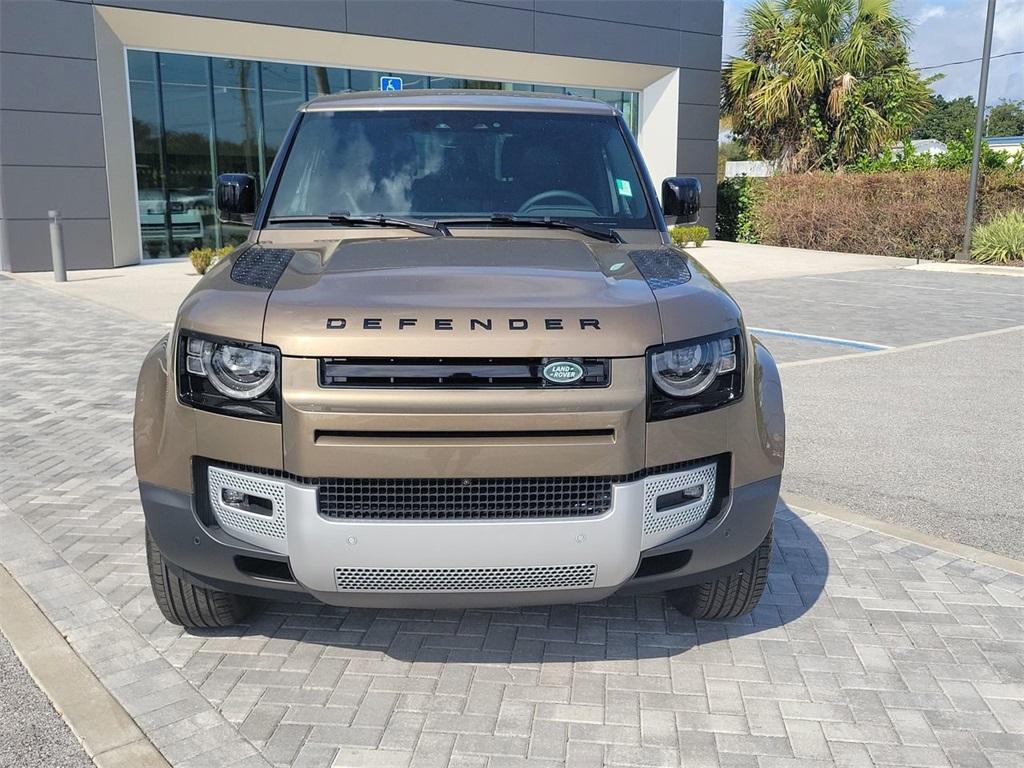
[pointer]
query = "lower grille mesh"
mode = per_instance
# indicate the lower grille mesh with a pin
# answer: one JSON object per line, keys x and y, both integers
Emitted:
{"x": 465, "y": 579}
{"x": 464, "y": 498}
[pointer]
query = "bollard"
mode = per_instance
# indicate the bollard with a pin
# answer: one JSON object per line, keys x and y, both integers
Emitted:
{"x": 60, "y": 272}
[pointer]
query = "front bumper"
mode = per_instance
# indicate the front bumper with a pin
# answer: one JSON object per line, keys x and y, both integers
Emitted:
{"x": 290, "y": 547}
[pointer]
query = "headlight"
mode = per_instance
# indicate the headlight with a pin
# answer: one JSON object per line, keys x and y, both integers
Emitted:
{"x": 233, "y": 377}
{"x": 693, "y": 376}
{"x": 243, "y": 373}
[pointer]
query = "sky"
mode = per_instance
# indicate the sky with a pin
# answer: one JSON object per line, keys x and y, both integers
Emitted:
{"x": 944, "y": 31}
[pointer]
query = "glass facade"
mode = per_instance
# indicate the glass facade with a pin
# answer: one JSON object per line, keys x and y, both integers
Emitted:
{"x": 195, "y": 117}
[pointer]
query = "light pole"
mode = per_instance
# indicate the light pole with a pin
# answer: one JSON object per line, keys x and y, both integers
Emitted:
{"x": 979, "y": 128}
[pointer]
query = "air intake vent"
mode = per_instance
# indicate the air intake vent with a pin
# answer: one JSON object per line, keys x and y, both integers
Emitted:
{"x": 661, "y": 268}
{"x": 465, "y": 579}
{"x": 264, "y": 527}
{"x": 458, "y": 373}
{"x": 682, "y": 513}
{"x": 449, "y": 498}
{"x": 261, "y": 267}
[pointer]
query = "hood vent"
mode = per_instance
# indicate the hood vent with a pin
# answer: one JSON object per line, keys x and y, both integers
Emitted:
{"x": 260, "y": 267}
{"x": 458, "y": 373}
{"x": 661, "y": 268}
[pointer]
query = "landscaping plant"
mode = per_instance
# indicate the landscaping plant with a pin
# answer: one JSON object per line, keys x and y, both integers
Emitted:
{"x": 820, "y": 83}
{"x": 914, "y": 214}
{"x": 957, "y": 155}
{"x": 1001, "y": 240}
{"x": 204, "y": 258}
{"x": 683, "y": 235}
{"x": 734, "y": 218}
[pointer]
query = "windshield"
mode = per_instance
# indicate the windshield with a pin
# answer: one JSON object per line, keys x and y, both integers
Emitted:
{"x": 458, "y": 163}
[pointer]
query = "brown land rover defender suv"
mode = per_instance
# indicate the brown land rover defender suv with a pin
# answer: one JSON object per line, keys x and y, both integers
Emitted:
{"x": 457, "y": 362}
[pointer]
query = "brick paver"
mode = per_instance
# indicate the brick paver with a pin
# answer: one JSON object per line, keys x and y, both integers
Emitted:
{"x": 866, "y": 650}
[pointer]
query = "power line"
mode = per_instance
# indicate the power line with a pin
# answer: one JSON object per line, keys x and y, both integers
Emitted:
{"x": 968, "y": 61}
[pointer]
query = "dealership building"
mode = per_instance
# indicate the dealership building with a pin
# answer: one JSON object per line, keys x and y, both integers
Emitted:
{"x": 120, "y": 114}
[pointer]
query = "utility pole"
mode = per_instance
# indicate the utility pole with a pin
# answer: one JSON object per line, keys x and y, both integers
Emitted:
{"x": 979, "y": 129}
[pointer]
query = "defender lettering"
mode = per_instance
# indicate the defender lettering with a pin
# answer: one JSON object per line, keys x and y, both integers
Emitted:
{"x": 473, "y": 324}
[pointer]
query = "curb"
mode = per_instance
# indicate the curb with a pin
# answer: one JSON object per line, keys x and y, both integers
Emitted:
{"x": 107, "y": 733}
{"x": 967, "y": 552}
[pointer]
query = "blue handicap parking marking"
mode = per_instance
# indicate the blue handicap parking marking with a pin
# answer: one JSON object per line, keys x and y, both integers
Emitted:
{"x": 391, "y": 83}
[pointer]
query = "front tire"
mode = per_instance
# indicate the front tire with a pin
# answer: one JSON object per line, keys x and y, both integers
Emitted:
{"x": 731, "y": 595}
{"x": 184, "y": 603}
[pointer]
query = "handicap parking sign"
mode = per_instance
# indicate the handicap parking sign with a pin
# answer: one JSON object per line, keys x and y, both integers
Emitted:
{"x": 391, "y": 83}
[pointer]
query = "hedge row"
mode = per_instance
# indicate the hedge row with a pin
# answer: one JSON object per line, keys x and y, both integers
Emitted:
{"x": 913, "y": 214}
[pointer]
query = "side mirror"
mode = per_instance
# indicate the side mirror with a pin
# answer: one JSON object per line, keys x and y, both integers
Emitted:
{"x": 680, "y": 199}
{"x": 236, "y": 198}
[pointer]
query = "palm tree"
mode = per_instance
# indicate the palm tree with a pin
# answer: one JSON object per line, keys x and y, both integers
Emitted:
{"x": 822, "y": 82}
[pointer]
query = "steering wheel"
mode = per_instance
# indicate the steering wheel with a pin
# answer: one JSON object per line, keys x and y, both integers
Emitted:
{"x": 565, "y": 194}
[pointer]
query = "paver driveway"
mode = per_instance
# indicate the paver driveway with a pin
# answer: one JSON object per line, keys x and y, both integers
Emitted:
{"x": 866, "y": 650}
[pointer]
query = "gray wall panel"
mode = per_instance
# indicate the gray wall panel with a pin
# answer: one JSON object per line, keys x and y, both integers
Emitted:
{"x": 47, "y": 27}
{"x": 86, "y": 244}
{"x": 328, "y": 15}
{"x": 593, "y": 39}
{"x": 700, "y": 86}
{"x": 443, "y": 21}
{"x": 700, "y": 51}
{"x": 78, "y": 193}
{"x": 698, "y": 155}
{"x": 662, "y": 14}
{"x": 49, "y": 97}
{"x": 48, "y": 83}
{"x": 703, "y": 16}
{"x": 698, "y": 121}
{"x": 522, "y": 5}
{"x": 51, "y": 138}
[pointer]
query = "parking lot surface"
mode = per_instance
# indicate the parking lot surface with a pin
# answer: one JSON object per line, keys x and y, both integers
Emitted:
{"x": 32, "y": 734}
{"x": 925, "y": 434}
{"x": 867, "y": 650}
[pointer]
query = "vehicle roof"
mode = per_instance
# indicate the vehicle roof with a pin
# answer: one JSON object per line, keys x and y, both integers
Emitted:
{"x": 525, "y": 101}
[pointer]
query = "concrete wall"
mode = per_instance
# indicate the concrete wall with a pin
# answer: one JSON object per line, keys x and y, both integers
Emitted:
{"x": 52, "y": 138}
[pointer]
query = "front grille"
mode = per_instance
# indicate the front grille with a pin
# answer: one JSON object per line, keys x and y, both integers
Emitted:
{"x": 457, "y": 373}
{"x": 465, "y": 579}
{"x": 464, "y": 498}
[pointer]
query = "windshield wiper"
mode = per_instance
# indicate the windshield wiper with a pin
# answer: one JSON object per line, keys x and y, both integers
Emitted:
{"x": 344, "y": 218}
{"x": 507, "y": 219}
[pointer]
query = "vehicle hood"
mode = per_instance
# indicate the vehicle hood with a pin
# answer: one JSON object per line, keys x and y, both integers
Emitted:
{"x": 485, "y": 297}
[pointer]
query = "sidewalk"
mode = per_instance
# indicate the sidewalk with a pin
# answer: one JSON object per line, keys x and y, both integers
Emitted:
{"x": 150, "y": 291}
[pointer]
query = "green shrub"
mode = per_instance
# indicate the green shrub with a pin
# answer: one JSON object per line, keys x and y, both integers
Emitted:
{"x": 204, "y": 258}
{"x": 957, "y": 156}
{"x": 1001, "y": 240}
{"x": 683, "y": 235}
{"x": 737, "y": 200}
